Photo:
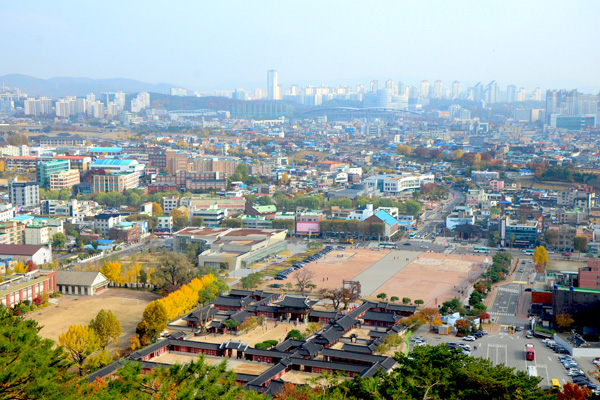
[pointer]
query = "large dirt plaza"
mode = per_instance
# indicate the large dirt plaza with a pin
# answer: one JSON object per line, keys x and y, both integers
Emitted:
{"x": 402, "y": 273}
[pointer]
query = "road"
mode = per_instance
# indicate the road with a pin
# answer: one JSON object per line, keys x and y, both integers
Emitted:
{"x": 509, "y": 349}
{"x": 508, "y": 295}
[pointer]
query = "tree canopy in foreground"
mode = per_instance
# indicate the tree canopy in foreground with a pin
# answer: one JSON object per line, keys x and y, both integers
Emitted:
{"x": 34, "y": 368}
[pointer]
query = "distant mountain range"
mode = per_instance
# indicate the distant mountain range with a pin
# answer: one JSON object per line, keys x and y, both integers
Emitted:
{"x": 60, "y": 87}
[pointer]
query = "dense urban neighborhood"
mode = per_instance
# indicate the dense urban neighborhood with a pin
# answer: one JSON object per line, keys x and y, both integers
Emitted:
{"x": 240, "y": 200}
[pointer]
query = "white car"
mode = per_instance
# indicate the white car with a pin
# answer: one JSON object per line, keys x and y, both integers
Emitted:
{"x": 469, "y": 338}
{"x": 465, "y": 347}
{"x": 424, "y": 247}
{"x": 575, "y": 371}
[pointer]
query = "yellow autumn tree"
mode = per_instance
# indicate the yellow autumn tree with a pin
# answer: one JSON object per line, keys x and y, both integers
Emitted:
{"x": 2, "y": 167}
{"x": 80, "y": 342}
{"x": 185, "y": 298}
{"x": 149, "y": 274}
{"x": 112, "y": 271}
{"x": 156, "y": 209}
{"x": 19, "y": 267}
{"x": 132, "y": 274}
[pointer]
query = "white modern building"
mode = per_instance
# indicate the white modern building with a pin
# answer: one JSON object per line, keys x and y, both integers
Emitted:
{"x": 394, "y": 183}
{"x": 165, "y": 223}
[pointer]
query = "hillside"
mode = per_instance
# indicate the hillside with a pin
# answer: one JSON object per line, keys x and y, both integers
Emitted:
{"x": 68, "y": 86}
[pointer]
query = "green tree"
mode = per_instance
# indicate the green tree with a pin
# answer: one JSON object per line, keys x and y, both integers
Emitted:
{"x": 394, "y": 299}
{"x": 59, "y": 240}
{"x": 232, "y": 223}
{"x": 197, "y": 221}
{"x": 437, "y": 372}
{"x": 314, "y": 245}
{"x": 494, "y": 239}
{"x": 551, "y": 237}
{"x": 265, "y": 200}
{"x": 405, "y": 300}
{"x": 580, "y": 243}
{"x": 294, "y": 334}
{"x": 512, "y": 238}
{"x": 107, "y": 327}
{"x": 195, "y": 380}
{"x": 382, "y": 296}
{"x": 174, "y": 268}
{"x": 30, "y": 367}
{"x": 250, "y": 199}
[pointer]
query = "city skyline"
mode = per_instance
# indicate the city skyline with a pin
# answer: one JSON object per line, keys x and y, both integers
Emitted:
{"x": 189, "y": 45}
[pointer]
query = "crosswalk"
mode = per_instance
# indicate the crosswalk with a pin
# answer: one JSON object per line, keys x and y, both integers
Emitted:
{"x": 502, "y": 289}
{"x": 501, "y": 314}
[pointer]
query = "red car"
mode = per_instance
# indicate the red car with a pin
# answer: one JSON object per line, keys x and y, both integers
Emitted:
{"x": 567, "y": 255}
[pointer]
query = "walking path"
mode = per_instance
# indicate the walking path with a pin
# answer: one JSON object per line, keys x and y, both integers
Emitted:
{"x": 379, "y": 273}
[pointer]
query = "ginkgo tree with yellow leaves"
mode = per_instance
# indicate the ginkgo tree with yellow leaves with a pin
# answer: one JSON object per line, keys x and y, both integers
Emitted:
{"x": 159, "y": 312}
{"x": 80, "y": 342}
{"x": 112, "y": 271}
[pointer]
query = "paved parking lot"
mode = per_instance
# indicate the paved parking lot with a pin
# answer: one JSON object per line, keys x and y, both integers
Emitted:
{"x": 509, "y": 349}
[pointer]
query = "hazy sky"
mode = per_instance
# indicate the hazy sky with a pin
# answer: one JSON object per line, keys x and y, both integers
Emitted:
{"x": 227, "y": 44}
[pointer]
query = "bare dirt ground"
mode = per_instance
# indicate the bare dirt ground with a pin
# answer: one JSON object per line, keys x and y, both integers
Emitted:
{"x": 331, "y": 270}
{"x": 257, "y": 335}
{"x": 80, "y": 310}
{"x": 238, "y": 366}
{"x": 568, "y": 265}
{"x": 431, "y": 276}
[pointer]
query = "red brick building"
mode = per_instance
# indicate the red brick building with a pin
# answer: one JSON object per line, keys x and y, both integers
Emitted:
{"x": 20, "y": 287}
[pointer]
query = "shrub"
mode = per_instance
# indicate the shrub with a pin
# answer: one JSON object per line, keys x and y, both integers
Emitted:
{"x": 294, "y": 334}
{"x": 37, "y": 301}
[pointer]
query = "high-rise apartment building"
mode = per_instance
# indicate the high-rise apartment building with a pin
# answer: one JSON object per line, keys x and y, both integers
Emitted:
{"x": 401, "y": 89}
{"x": 41, "y": 106}
{"x": 424, "y": 92}
{"x": 491, "y": 92}
{"x": 455, "y": 89}
{"x": 511, "y": 93}
{"x": 521, "y": 95}
{"x": 272, "y": 85}
{"x": 374, "y": 86}
{"x": 438, "y": 89}
{"x": 141, "y": 102}
{"x": 536, "y": 95}
{"x": 120, "y": 101}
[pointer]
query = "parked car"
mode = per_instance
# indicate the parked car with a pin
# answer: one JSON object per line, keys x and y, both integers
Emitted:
{"x": 469, "y": 338}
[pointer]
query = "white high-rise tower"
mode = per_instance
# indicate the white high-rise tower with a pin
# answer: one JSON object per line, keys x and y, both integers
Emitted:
{"x": 272, "y": 85}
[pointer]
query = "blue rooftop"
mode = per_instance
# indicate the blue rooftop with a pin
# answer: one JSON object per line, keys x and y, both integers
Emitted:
{"x": 385, "y": 217}
{"x": 112, "y": 161}
{"x": 22, "y": 218}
